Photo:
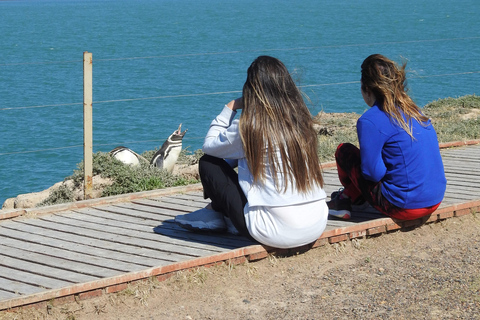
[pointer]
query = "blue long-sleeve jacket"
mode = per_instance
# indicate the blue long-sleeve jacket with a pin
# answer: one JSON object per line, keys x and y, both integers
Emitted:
{"x": 411, "y": 170}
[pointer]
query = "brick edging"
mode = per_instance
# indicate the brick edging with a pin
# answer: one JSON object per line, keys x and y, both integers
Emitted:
{"x": 444, "y": 145}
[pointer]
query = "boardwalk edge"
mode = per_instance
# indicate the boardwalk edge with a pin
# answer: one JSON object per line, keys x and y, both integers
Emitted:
{"x": 13, "y": 213}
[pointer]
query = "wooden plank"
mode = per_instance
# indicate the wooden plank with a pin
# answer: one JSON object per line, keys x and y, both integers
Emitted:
{"x": 225, "y": 241}
{"x": 197, "y": 197}
{"x": 222, "y": 240}
{"x": 162, "y": 204}
{"x": 62, "y": 258}
{"x": 77, "y": 248}
{"x": 131, "y": 244}
{"x": 456, "y": 160}
{"x": 127, "y": 222}
{"x": 467, "y": 170}
{"x": 473, "y": 180}
{"x": 32, "y": 278}
{"x": 171, "y": 230}
{"x": 18, "y": 288}
{"x": 454, "y": 200}
{"x": 459, "y": 189}
{"x": 10, "y": 259}
{"x": 128, "y": 209}
{"x": 330, "y": 179}
{"x": 84, "y": 245}
{"x": 460, "y": 196}
{"x": 464, "y": 168}
{"x": 448, "y": 201}
{"x": 461, "y": 174}
{"x": 359, "y": 216}
{"x": 188, "y": 205}
{"x": 159, "y": 210}
{"x": 473, "y": 186}
{"x": 458, "y": 168}
{"x": 337, "y": 223}
{"x": 148, "y": 234}
{"x": 122, "y": 218}
{"x": 5, "y": 295}
{"x": 468, "y": 152}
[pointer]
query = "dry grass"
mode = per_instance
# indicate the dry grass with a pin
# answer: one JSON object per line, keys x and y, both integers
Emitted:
{"x": 455, "y": 119}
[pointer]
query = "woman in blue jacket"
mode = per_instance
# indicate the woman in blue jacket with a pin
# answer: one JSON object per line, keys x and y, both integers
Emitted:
{"x": 398, "y": 168}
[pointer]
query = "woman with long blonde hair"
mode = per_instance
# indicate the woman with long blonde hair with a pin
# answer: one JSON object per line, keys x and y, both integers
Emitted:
{"x": 277, "y": 197}
{"x": 398, "y": 168}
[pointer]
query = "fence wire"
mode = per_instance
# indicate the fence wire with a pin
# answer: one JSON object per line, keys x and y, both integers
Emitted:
{"x": 211, "y": 93}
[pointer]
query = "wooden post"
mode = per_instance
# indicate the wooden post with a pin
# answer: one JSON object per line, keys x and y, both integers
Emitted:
{"x": 87, "y": 125}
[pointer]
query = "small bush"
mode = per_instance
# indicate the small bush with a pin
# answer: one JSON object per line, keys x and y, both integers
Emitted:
{"x": 188, "y": 158}
{"x": 127, "y": 178}
{"x": 62, "y": 194}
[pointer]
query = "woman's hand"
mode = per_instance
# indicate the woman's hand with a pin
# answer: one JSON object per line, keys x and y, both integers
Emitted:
{"x": 236, "y": 104}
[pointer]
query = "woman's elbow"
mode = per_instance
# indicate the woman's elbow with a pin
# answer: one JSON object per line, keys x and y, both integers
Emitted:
{"x": 207, "y": 146}
{"x": 373, "y": 175}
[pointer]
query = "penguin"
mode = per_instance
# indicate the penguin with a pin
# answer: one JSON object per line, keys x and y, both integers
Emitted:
{"x": 127, "y": 156}
{"x": 167, "y": 156}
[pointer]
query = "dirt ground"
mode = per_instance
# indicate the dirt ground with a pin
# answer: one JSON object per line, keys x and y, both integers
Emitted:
{"x": 431, "y": 272}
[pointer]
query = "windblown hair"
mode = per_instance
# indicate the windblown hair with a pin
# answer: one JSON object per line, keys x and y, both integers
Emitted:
{"x": 387, "y": 81}
{"x": 276, "y": 128}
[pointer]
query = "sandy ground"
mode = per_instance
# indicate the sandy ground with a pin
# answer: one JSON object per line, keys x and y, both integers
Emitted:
{"x": 431, "y": 272}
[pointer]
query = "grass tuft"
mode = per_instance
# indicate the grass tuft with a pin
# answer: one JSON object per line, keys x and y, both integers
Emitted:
{"x": 455, "y": 119}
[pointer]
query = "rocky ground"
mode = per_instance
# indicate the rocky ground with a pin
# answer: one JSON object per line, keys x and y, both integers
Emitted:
{"x": 426, "y": 273}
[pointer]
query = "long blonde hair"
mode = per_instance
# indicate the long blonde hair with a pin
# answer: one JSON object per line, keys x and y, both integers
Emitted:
{"x": 387, "y": 82}
{"x": 275, "y": 120}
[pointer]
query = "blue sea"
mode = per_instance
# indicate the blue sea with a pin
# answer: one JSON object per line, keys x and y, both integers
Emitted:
{"x": 159, "y": 63}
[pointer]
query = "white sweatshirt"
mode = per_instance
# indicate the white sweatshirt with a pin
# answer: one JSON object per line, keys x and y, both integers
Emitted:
{"x": 277, "y": 219}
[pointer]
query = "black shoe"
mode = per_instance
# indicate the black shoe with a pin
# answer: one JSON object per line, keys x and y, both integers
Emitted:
{"x": 339, "y": 207}
{"x": 357, "y": 205}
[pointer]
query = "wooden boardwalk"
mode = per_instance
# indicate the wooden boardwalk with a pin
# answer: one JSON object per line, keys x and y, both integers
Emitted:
{"x": 98, "y": 246}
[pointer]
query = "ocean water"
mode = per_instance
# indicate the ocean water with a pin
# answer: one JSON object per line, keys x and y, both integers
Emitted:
{"x": 159, "y": 63}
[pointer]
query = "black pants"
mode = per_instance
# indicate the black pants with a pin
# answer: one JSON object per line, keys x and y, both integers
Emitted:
{"x": 220, "y": 184}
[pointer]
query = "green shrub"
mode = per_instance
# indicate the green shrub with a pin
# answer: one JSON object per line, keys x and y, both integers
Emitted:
{"x": 126, "y": 178}
{"x": 62, "y": 194}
